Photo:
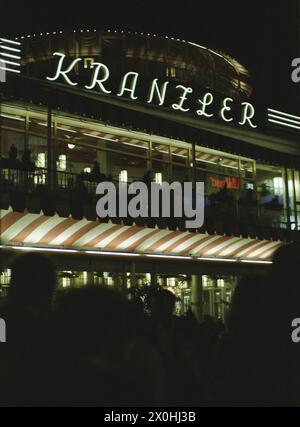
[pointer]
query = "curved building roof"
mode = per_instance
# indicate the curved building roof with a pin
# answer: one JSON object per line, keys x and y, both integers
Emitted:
{"x": 152, "y": 55}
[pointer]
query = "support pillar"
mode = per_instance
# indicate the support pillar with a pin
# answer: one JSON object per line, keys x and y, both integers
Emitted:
{"x": 133, "y": 281}
{"x": 197, "y": 297}
{"x": 51, "y": 151}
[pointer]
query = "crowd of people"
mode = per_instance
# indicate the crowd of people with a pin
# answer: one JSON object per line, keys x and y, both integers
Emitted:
{"x": 94, "y": 347}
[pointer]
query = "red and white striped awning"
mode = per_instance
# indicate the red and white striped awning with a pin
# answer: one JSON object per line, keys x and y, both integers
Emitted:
{"x": 56, "y": 232}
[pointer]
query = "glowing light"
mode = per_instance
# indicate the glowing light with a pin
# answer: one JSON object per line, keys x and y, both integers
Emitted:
{"x": 10, "y": 70}
{"x": 9, "y": 55}
{"x": 4, "y": 61}
{"x": 247, "y": 115}
{"x": 217, "y": 259}
{"x": 283, "y": 114}
{"x": 95, "y": 79}
{"x": 225, "y": 109}
{"x": 274, "y": 116}
{"x": 221, "y": 283}
{"x": 283, "y": 119}
{"x": 66, "y": 130}
{"x": 6, "y": 116}
{"x": 158, "y": 178}
{"x": 60, "y": 72}
{"x": 123, "y": 177}
{"x": 160, "y": 92}
{"x": 131, "y": 89}
{"x": 11, "y": 49}
{"x": 198, "y": 45}
{"x": 245, "y": 261}
{"x": 207, "y": 100}
{"x": 27, "y": 248}
{"x": 168, "y": 257}
{"x": 101, "y": 137}
{"x": 182, "y": 98}
{"x": 112, "y": 253}
{"x": 284, "y": 124}
{"x": 10, "y": 41}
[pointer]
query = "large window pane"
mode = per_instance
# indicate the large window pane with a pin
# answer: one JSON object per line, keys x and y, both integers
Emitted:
{"x": 10, "y": 139}
{"x": 38, "y": 151}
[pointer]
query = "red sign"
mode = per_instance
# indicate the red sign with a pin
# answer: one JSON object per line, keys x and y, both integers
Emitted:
{"x": 232, "y": 183}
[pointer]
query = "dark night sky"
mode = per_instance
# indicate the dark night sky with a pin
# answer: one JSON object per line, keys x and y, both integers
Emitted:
{"x": 261, "y": 34}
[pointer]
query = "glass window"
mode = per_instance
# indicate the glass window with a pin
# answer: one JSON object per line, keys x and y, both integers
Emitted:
{"x": 12, "y": 121}
{"x": 161, "y": 169}
{"x": 180, "y": 155}
{"x": 270, "y": 184}
{"x": 161, "y": 152}
{"x": 75, "y": 158}
{"x": 10, "y": 139}
{"x": 38, "y": 151}
{"x": 181, "y": 174}
{"x": 38, "y": 127}
{"x": 136, "y": 167}
{"x": 247, "y": 169}
{"x": 62, "y": 162}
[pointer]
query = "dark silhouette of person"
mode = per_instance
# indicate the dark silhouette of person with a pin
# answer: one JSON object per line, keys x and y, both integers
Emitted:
{"x": 27, "y": 314}
{"x": 96, "y": 171}
{"x": 94, "y": 358}
{"x": 26, "y": 159}
{"x": 241, "y": 376}
{"x": 32, "y": 283}
{"x": 171, "y": 335}
{"x": 81, "y": 190}
{"x": 13, "y": 153}
{"x": 285, "y": 291}
{"x": 147, "y": 178}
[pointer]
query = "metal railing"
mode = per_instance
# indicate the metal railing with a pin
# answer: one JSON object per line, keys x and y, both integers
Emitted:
{"x": 83, "y": 187}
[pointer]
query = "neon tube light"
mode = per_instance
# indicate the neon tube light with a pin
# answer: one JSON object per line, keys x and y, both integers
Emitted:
{"x": 112, "y": 253}
{"x": 10, "y": 41}
{"x": 11, "y": 70}
{"x": 245, "y": 261}
{"x": 8, "y": 55}
{"x": 100, "y": 137}
{"x": 10, "y": 63}
{"x": 66, "y": 130}
{"x": 284, "y": 124}
{"x": 283, "y": 114}
{"x": 27, "y": 248}
{"x": 217, "y": 259}
{"x": 11, "y": 49}
{"x": 6, "y": 116}
{"x": 168, "y": 256}
{"x": 285, "y": 119}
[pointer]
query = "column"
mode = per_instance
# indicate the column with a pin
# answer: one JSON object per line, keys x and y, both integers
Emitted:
{"x": 154, "y": 278}
{"x": 287, "y": 198}
{"x": 197, "y": 297}
{"x": 51, "y": 151}
{"x": 132, "y": 275}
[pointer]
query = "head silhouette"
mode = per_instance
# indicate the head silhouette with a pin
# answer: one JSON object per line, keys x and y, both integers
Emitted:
{"x": 249, "y": 305}
{"x": 32, "y": 280}
{"x": 286, "y": 263}
{"x": 163, "y": 303}
{"x": 94, "y": 317}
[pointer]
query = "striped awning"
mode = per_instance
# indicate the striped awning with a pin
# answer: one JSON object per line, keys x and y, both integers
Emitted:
{"x": 56, "y": 232}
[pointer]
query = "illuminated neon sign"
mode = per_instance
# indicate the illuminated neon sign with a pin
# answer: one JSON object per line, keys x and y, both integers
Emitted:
{"x": 230, "y": 183}
{"x": 157, "y": 94}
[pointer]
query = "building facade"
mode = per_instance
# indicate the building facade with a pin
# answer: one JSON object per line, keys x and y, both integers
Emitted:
{"x": 87, "y": 107}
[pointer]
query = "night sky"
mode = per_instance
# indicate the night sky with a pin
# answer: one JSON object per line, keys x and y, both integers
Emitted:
{"x": 262, "y": 34}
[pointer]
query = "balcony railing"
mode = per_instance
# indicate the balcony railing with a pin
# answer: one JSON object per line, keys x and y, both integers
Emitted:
{"x": 82, "y": 188}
